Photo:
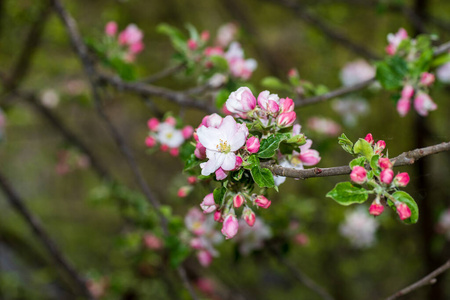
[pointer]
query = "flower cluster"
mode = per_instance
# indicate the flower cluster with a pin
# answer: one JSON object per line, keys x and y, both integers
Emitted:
{"x": 204, "y": 236}
{"x": 127, "y": 44}
{"x": 259, "y": 129}
{"x": 374, "y": 169}
{"x": 407, "y": 70}
{"x": 166, "y": 135}
{"x": 359, "y": 228}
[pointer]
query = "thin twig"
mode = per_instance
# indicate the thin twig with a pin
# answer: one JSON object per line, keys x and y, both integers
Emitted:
{"x": 406, "y": 158}
{"x": 328, "y": 30}
{"x": 302, "y": 277}
{"x": 82, "y": 51}
{"x": 427, "y": 280}
{"x": 164, "y": 73}
{"x": 32, "y": 221}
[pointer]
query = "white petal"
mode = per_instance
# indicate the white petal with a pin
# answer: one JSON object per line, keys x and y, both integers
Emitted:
{"x": 229, "y": 162}
{"x": 208, "y": 137}
{"x": 237, "y": 141}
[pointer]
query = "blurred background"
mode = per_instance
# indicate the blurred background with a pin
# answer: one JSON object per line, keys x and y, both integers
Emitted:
{"x": 318, "y": 38}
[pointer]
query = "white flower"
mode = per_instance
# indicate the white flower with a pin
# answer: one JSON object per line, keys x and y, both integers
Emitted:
{"x": 168, "y": 135}
{"x": 350, "y": 109}
{"x": 50, "y": 98}
{"x": 443, "y": 73}
{"x": 241, "y": 101}
{"x": 444, "y": 223}
{"x": 252, "y": 238}
{"x": 356, "y": 72}
{"x": 359, "y": 227}
{"x": 221, "y": 144}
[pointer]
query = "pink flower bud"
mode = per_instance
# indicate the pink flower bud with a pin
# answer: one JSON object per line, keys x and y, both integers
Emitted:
{"x": 358, "y": 175}
{"x": 403, "y": 210}
{"x": 369, "y": 138}
{"x": 426, "y": 79}
{"x": 268, "y": 102}
{"x": 150, "y": 141}
{"x": 379, "y": 146}
{"x": 249, "y": 216}
{"x": 376, "y": 208}
{"x": 184, "y": 191}
{"x": 171, "y": 121}
{"x": 407, "y": 91}
{"x": 262, "y": 201}
{"x": 241, "y": 101}
{"x": 208, "y": 205}
{"x": 137, "y": 47}
{"x": 391, "y": 49}
{"x": 384, "y": 163}
{"x": 386, "y": 176}
{"x": 152, "y": 242}
{"x": 301, "y": 239}
{"x": 218, "y": 216}
{"x": 196, "y": 243}
{"x": 174, "y": 151}
{"x": 187, "y": 132}
{"x": 292, "y": 73}
{"x": 204, "y": 36}
{"x": 286, "y": 105}
{"x": 309, "y": 157}
{"x": 238, "y": 163}
{"x": 286, "y": 119}
{"x": 200, "y": 151}
{"x": 192, "y": 45}
{"x": 230, "y": 225}
{"x": 402, "y": 179}
{"x": 238, "y": 200}
{"x": 153, "y": 124}
{"x": 423, "y": 104}
{"x": 252, "y": 144}
{"x": 403, "y": 106}
{"x": 192, "y": 180}
{"x": 164, "y": 148}
{"x": 111, "y": 28}
{"x": 273, "y": 107}
{"x": 221, "y": 174}
{"x": 204, "y": 258}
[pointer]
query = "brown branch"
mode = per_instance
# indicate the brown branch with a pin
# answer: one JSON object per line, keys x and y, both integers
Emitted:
{"x": 427, "y": 280}
{"x": 82, "y": 52}
{"x": 328, "y": 30}
{"x": 406, "y": 158}
{"x": 147, "y": 90}
{"x": 32, "y": 41}
{"x": 33, "y": 222}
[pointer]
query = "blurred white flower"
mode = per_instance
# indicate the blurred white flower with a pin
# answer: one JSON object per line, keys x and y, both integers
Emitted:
{"x": 359, "y": 228}
{"x": 356, "y": 72}
{"x": 252, "y": 238}
{"x": 350, "y": 108}
{"x": 50, "y": 98}
{"x": 443, "y": 225}
{"x": 443, "y": 73}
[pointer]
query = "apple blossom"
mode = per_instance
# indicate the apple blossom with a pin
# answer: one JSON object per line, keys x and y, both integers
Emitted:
{"x": 153, "y": 124}
{"x": 151, "y": 241}
{"x": 238, "y": 200}
{"x": 169, "y": 136}
{"x": 307, "y": 156}
{"x": 376, "y": 208}
{"x": 401, "y": 179}
{"x": 286, "y": 105}
{"x": 230, "y": 225}
{"x": 443, "y": 73}
{"x": 286, "y": 119}
{"x": 384, "y": 163}
{"x": 358, "y": 175}
{"x": 407, "y": 91}
{"x": 208, "y": 205}
{"x": 426, "y": 79}
{"x": 205, "y": 258}
{"x": 403, "y": 106}
{"x": 423, "y": 104}
{"x": 111, "y": 28}
{"x": 131, "y": 35}
{"x": 359, "y": 228}
{"x": 218, "y": 216}
{"x": 403, "y": 210}
{"x": 249, "y": 216}
{"x": 192, "y": 44}
{"x": 268, "y": 102}
{"x": 379, "y": 146}
{"x": 252, "y": 238}
{"x": 174, "y": 151}
{"x": 241, "y": 101}
{"x": 369, "y": 138}
{"x": 226, "y": 33}
{"x": 386, "y": 176}
{"x": 187, "y": 132}
{"x": 184, "y": 191}
{"x": 220, "y": 174}
{"x": 324, "y": 126}
{"x": 221, "y": 144}
{"x": 252, "y": 145}
{"x": 150, "y": 141}
{"x": 262, "y": 201}
{"x": 443, "y": 225}
{"x": 356, "y": 72}
{"x": 395, "y": 40}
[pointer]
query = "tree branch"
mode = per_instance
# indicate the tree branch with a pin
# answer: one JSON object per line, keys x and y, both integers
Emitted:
{"x": 164, "y": 73}
{"x": 33, "y": 222}
{"x": 82, "y": 51}
{"x": 427, "y": 280}
{"x": 406, "y": 158}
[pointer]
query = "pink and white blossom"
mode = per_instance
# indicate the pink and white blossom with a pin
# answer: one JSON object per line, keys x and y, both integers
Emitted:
{"x": 262, "y": 201}
{"x": 324, "y": 126}
{"x": 208, "y": 205}
{"x": 403, "y": 106}
{"x": 170, "y": 136}
{"x": 268, "y": 102}
{"x": 249, "y": 216}
{"x": 238, "y": 200}
{"x": 426, "y": 78}
{"x": 376, "y": 208}
{"x": 386, "y": 176}
{"x": 226, "y": 34}
{"x": 286, "y": 119}
{"x": 403, "y": 211}
{"x": 221, "y": 144}
{"x": 307, "y": 156}
{"x": 359, "y": 228}
{"x": 401, "y": 179}
{"x": 358, "y": 175}
{"x": 220, "y": 174}
{"x": 395, "y": 40}
{"x": 111, "y": 28}
{"x": 423, "y": 104}
{"x": 407, "y": 91}
{"x": 384, "y": 163}
{"x": 230, "y": 225}
{"x": 443, "y": 73}
{"x": 130, "y": 35}
{"x": 252, "y": 145}
{"x": 252, "y": 238}
{"x": 356, "y": 72}
{"x": 241, "y": 101}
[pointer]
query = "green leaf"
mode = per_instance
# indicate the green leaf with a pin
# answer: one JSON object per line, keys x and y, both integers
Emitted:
{"x": 193, "y": 33}
{"x": 125, "y": 70}
{"x": 345, "y": 193}
{"x": 219, "y": 195}
{"x": 408, "y": 200}
{"x": 346, "y": 144}
{"x": 221, "y": 98}
{"x": 263, "y": 177}
{"x": 178, "y": 40}
{"x": 270, "y": 145}
{"x": 178, "y": 252}
{"x": 251, "y": 162}
{"x": 186, "y": 151}
{"x": 363, "y": 147}
{"x": 390, "y": 73}
{"x": 191, "y": 162}
{"x": 359, "y": 161}
{"x": 298, "y": 140}
{"x": 440, "y": 60}
{"x": 220, "y": 63}
{"x": 272, "y": 83}
{"x": 238, "y": 174}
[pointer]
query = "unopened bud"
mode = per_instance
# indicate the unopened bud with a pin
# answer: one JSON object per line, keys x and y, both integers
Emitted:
{"x": 358, "y": 175}
{"x": 386, "y": 176}
{"x": 238, "y": 200}
{"x": 401, "y": 179}
{"x": 262, "y": 201}
{"x": 253, "y": 144}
